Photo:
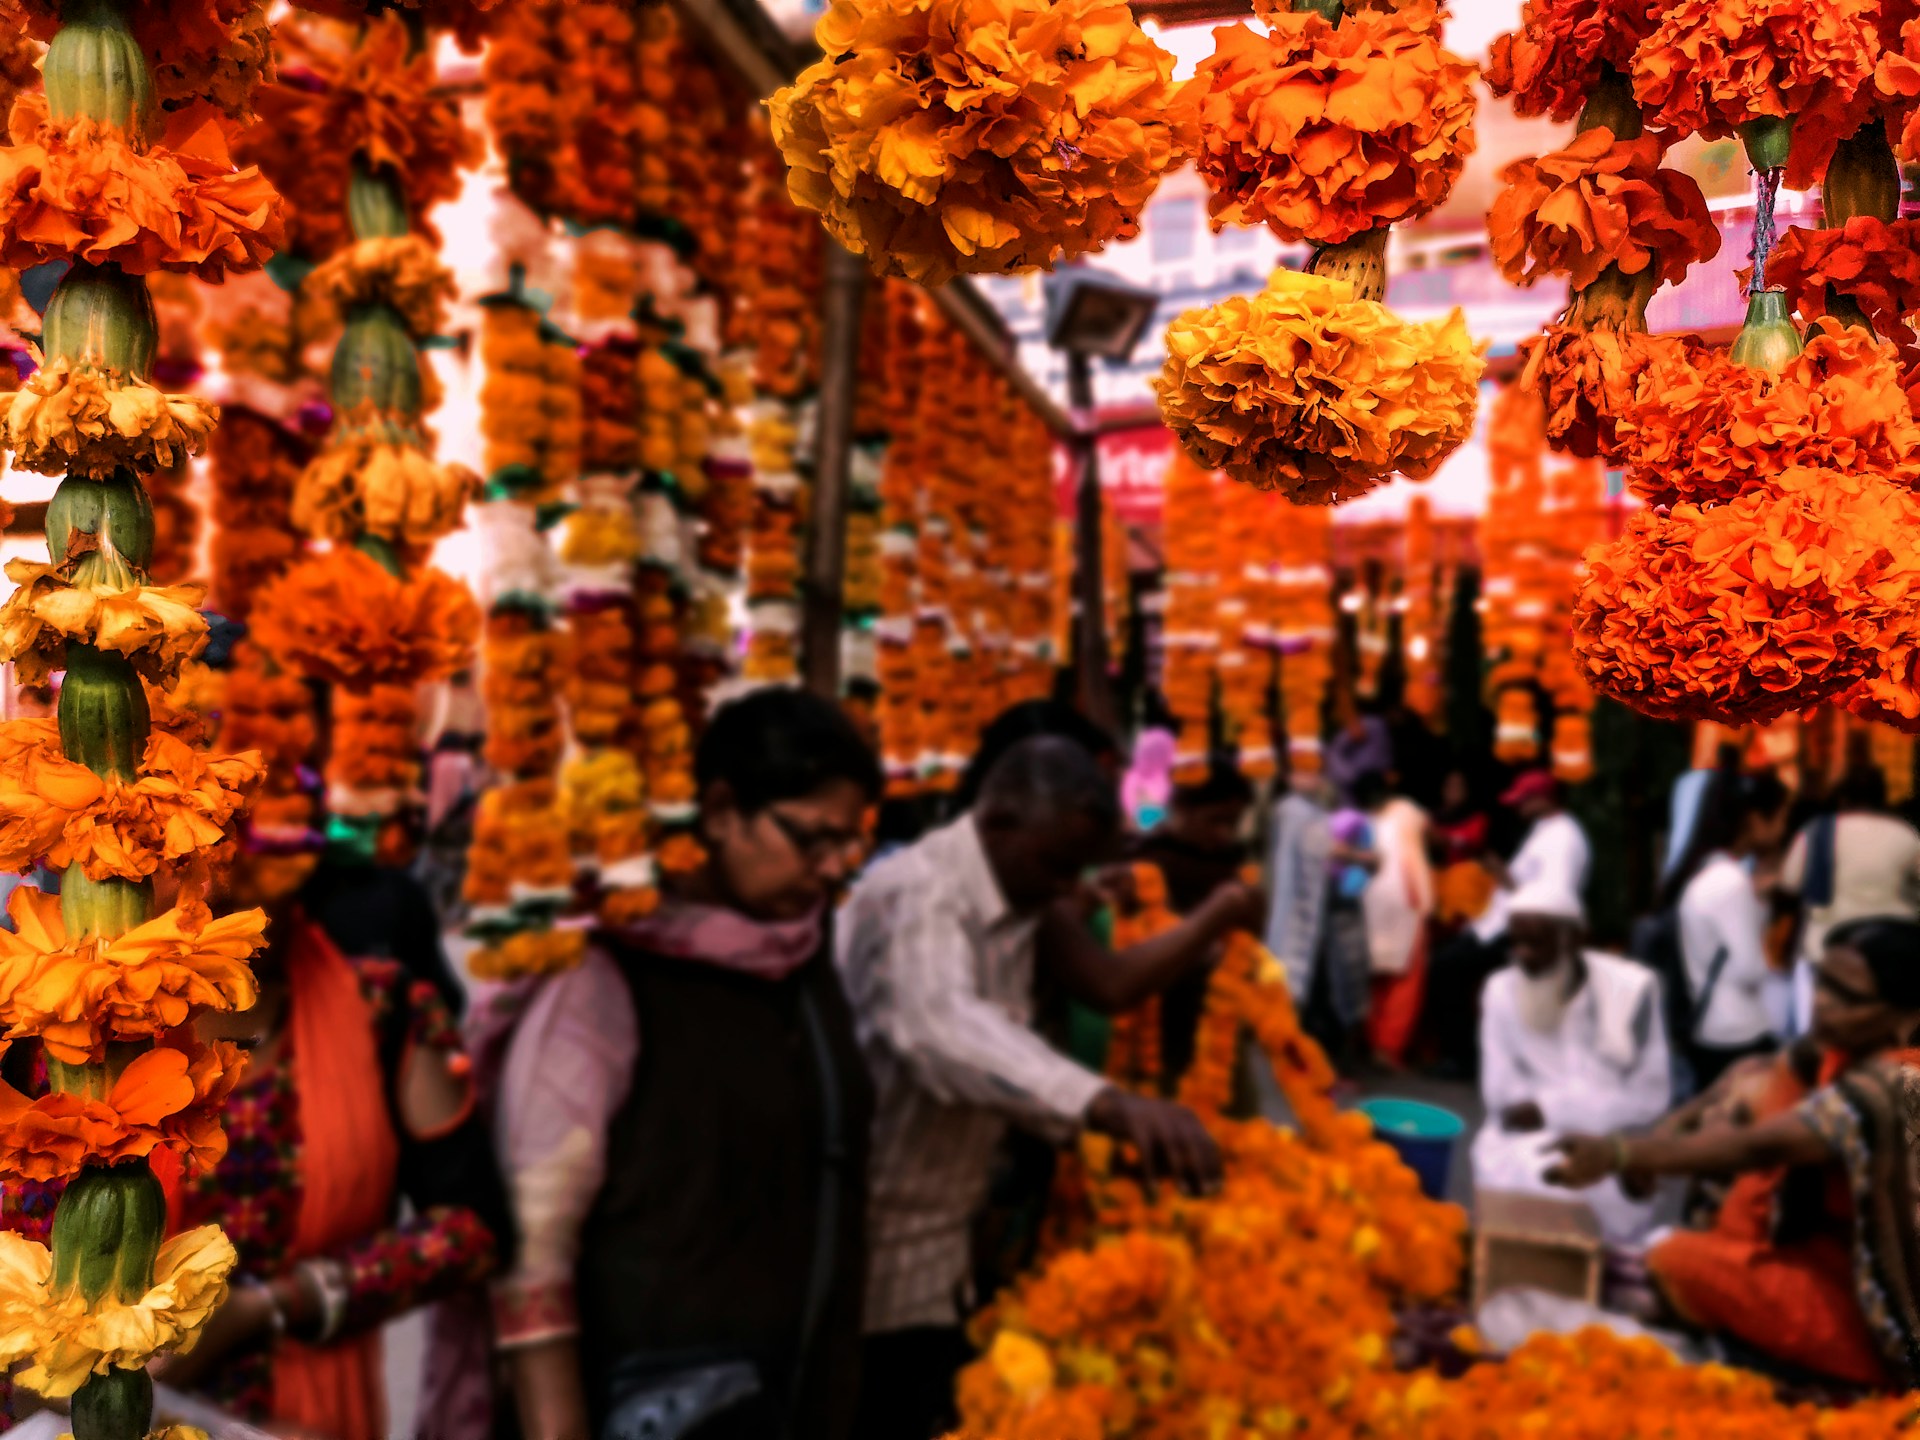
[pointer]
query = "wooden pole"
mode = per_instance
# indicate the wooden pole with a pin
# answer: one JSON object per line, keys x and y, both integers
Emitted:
{"x": 1093, "y": 690}
{"x": 821, "y": 601}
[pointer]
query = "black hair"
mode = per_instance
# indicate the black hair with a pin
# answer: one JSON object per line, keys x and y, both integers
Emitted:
{"x": 1370, "y": 789}
{"x": 780, "y": 744}
{"x": 1026, "y": 721}
{"x": 1863, "y": 787}
{"x": 1731, "y": 799}
{"x": 1224, "y": 785}
{"x": 1890, "y": 944}
{"x": 1046, "y": 777}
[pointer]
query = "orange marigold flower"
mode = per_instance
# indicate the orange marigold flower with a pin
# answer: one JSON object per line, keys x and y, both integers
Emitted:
{"x": 1745, "y": 611}
{"x": 77, "y": 419}
{"x": 84, "y": 191}
{"x": 1711, "y": 65}
{"x": 1550, "y": 64}
{"x": 1600, "y": 202}
{"x": 376, "y": 103}
{"x": 1875, "y": 261}
{"x": 530, "y": 952}
{"x": 1304, "y": 389}
{"x": 167, "y": 1098}
{"x": 1585, "y": 378}
{"x": 1704, "y": 428}
{"x": 343, "y": 618}
{"x": 55, "y": 809}
{"x": 1321, "y": 132}
{"x": 940, "y": 136}
{"x": 77, "y": 994}
{"x": 375, "y": 478}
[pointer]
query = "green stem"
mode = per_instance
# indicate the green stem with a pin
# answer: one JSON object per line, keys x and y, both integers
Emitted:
{"x": 104, "y": 715}
{"x": 100, "y": 316}
{"x": 1611, "y": 104}
{"x": 106, "y": 908}
{"x": 113, "y": 1406}
{"x": 1332, "y": 10}
{"x": 381, "y": 551}
{"x": 1768, "y": 340}
{"x": 376, "y": 205}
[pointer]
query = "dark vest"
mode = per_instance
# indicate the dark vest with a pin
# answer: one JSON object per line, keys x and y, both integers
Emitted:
{"x": 703, "y": 1239}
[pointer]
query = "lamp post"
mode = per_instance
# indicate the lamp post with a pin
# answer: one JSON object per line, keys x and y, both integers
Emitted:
{"x": 1091, "y": 315}
{"x": 826, "y": 555}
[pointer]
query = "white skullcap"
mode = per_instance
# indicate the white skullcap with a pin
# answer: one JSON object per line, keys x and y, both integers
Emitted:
{"x": 1549, "y": 898}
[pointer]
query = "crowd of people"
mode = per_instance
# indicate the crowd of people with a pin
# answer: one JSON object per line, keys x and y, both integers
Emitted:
{"x": 750, "y": 1167}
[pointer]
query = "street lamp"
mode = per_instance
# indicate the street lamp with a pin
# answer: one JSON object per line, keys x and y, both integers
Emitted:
{"x": 1090, "y": 314}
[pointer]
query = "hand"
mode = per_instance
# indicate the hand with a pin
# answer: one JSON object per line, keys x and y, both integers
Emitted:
{"x": 1170, "y": 1139}
{"x": 1522, "y": 1119}
{"x": 1584, "y": 1160}
{"x": 244, "y": 1321}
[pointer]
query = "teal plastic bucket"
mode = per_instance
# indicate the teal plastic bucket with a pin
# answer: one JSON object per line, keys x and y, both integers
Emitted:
{"x": 1423, "y": 1134}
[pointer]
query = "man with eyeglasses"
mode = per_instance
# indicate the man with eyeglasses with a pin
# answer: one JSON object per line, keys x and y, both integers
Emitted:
{"x": 939, "y": 946}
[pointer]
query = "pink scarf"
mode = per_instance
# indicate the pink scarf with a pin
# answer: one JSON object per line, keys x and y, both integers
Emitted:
{"x": 715, "y": 935}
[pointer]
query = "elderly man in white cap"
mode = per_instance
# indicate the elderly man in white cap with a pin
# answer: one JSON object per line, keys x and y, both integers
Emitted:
{"x": 1571, "y": 1041}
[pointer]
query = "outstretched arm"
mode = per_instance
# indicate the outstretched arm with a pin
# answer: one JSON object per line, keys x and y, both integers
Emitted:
{"x": 1116, "y": 980}
{"x": 1785, "y": 1140}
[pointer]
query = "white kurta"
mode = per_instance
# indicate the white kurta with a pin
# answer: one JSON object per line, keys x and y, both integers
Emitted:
{"x": 1555, "y": 852}
{"x": 1605, "y": 1067}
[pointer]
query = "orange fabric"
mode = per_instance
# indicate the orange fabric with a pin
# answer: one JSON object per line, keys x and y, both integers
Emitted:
{"x": 1395, "y": 1012}
{"x": 1796, "y": 1303}
{"x": 348, "y": 1163}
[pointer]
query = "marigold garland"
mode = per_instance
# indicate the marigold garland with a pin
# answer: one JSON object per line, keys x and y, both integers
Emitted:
{"x": 57, "y": 810}
{"x": 1304, "y": 389}
{"x": 374, "y": 478}
{"x": 1600, "y": 202}
{"x": 168, "y": 1098}
{"x": 76, "y": 994}
{"x": 375, "y": 755}
{"x": 1586, "y": 378}
{"x": 1322, "y": 131}
{"x": 956, "y": 170}
{"x": 343, "y": 618}
{"x": 217, "y": 50}
{"x": 90, "y": 193}
{"x": 529, "y": 952}
{"x": 1741, "y": 612}
{"x": 75, "y": 419}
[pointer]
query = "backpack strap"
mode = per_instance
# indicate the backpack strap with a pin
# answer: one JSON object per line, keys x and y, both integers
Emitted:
{"x": 1715, "y": 967}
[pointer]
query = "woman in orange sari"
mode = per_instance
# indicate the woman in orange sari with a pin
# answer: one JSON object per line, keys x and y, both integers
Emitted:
{"x": 1814, "y": 1258}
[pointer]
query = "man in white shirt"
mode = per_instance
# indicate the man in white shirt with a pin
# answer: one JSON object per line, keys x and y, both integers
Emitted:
{"x": 938, "y": 947}
{"x": 1555, "y": 850}
{"x": 1571, "y": 1041}
{"x": 1856, "y": 865}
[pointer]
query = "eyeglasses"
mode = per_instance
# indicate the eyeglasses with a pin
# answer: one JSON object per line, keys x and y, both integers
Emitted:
{"x": 1840, "y": 990}
{"x": 815, "y": 845}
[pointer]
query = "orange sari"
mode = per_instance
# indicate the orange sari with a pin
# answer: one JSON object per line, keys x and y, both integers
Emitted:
{"x": 1798, "y": 1302}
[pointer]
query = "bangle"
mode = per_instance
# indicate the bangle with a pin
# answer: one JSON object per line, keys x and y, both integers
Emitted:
{"x": 1619, "y": 1154}
{"x": 330, "y": 1290}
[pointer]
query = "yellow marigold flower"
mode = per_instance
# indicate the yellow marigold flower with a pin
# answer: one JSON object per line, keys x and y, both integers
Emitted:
{"x": 69, "y": 1340}
{"x": 403, "y": 271}
{"x": 1304, "y": 389}
{"x": 78, "y": 993}
{"x": 531, "y": 952}
{"x": 946, "y": 136}
{"x": 158, "y": 627}
{"x": 91, "y": 422}
{"x": 374, "y": 478}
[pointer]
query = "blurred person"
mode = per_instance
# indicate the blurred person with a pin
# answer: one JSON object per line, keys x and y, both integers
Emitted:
{"x": 1554, "y": 850}
{"x": 1571, "y": 1040}
{"x": 1856, "y": 862}
{"x": 1398, "y": 905}
{"x": 939, "y": 946}
{"x": 1198, "y": 850}
{"x": 1030, "y": 720}
{"x": 1147, "y": 791}
{"x": 1811, "y": 1260}
{"x": 1459, "y": 835}
{"x": 1722, "y": 924}
{"x": 1315, "y": 926}
{"x": 684, "y": 1122}
{"x": 1362, "y": 744}
{"x": 356, "y": 1097}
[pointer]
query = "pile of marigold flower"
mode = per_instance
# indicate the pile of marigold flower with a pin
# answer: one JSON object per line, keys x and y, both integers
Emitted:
{"x": 1269, "y": 1309}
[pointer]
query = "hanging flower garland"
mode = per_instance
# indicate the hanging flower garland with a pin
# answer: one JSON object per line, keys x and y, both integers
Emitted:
{"x": 98, "y": 177}
{"x": 958, "y": 172}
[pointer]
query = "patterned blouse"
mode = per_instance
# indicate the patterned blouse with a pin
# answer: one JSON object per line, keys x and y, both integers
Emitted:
{"x": 255, "y": 1192}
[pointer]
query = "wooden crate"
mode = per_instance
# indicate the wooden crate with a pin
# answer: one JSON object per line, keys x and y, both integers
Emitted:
{"x": 1538, "y": 1242}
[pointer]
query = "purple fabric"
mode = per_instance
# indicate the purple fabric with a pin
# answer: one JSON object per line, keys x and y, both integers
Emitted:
{"x": 1349, "y": 756}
